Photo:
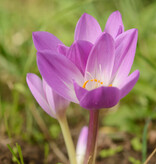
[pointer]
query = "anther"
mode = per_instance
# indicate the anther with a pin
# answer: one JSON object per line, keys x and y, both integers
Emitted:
{"x": 98, "y": 81}
{"x": 85, "y": 83}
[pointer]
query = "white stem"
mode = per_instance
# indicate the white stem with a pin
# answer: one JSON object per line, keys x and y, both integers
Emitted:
{"x": 68, "y": 139}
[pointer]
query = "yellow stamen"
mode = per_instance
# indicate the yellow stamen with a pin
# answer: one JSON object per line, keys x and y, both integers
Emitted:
{"x": 84, "y": 85}
{"x": 98, "y": 81}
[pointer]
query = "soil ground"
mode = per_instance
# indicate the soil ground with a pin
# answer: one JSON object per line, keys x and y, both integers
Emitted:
{"x": 34, "y": 154}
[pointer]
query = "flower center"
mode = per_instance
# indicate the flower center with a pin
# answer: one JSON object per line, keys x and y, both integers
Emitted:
{"x": 94, "y": 80}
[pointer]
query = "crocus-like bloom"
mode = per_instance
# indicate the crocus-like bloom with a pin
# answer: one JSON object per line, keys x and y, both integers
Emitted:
{"x": 81, "y": 145}
{"x": 94, "y": 70}
{"x": 51, "y": 102}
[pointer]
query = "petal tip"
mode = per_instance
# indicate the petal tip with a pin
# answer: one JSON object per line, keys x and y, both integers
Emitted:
{"x": 117, "y": 12}
{"x": 34, "y": 34}
{"x": 138, "y": 73}
{"x": 28, "y": 76}
{"x": 85, "y": 15}
{"x": 106, "y": 36}
{"x": 135, "y": 30}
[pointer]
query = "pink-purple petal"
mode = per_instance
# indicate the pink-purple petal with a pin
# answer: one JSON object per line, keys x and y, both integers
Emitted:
{"x": 78, "y": 53}
{"x": 45, "y": 41}
{"x": 125, "y": 52}
{"x": 59, "y": 72}
{"x": 62, "y": 49}
{"x": 129, "y": 83}
{"x": 57, "y": 103}
{"x": 87, "y": 28}
{"x": 114, "y": 25}
{"x": 102, "y": 97}
{"x": 101, "y": 59}
{"x": 36, "y": 88}
{"x": 61, "y": 104}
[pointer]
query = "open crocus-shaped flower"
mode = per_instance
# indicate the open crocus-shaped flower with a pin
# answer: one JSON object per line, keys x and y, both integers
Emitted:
{"x": 94, "y": 70}
{"x": 49, "y": 100}
{"x": 105, "y": 79}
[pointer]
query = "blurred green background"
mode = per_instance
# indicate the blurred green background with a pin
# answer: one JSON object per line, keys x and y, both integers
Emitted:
{"x": 20, "y": 115}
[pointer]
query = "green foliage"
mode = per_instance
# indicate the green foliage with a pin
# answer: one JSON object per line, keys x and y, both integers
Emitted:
{"x": 134, "y": 161}
{"x": 144, "y": 141}
{"x": 46, "y": 151}
{"x": 136, "y": 144}
{"x": 16, "y": 151}
{"x": 110, "y": 152}
{"x": 55, "y": 130}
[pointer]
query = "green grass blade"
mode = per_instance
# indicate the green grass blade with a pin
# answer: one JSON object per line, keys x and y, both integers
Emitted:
{"x": 13, "y": 153}
{"x": 144, "y": 140}
{"x": 20, "y": 153}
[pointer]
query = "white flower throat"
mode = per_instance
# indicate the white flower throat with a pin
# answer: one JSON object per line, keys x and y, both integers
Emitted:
{"x": 94, "y": 82}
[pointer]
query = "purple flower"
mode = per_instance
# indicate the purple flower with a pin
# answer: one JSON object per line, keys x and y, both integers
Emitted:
{"x": 96, "y": 74}
{"x": 51, "y": 102}
{"x": 82, "y": 145}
